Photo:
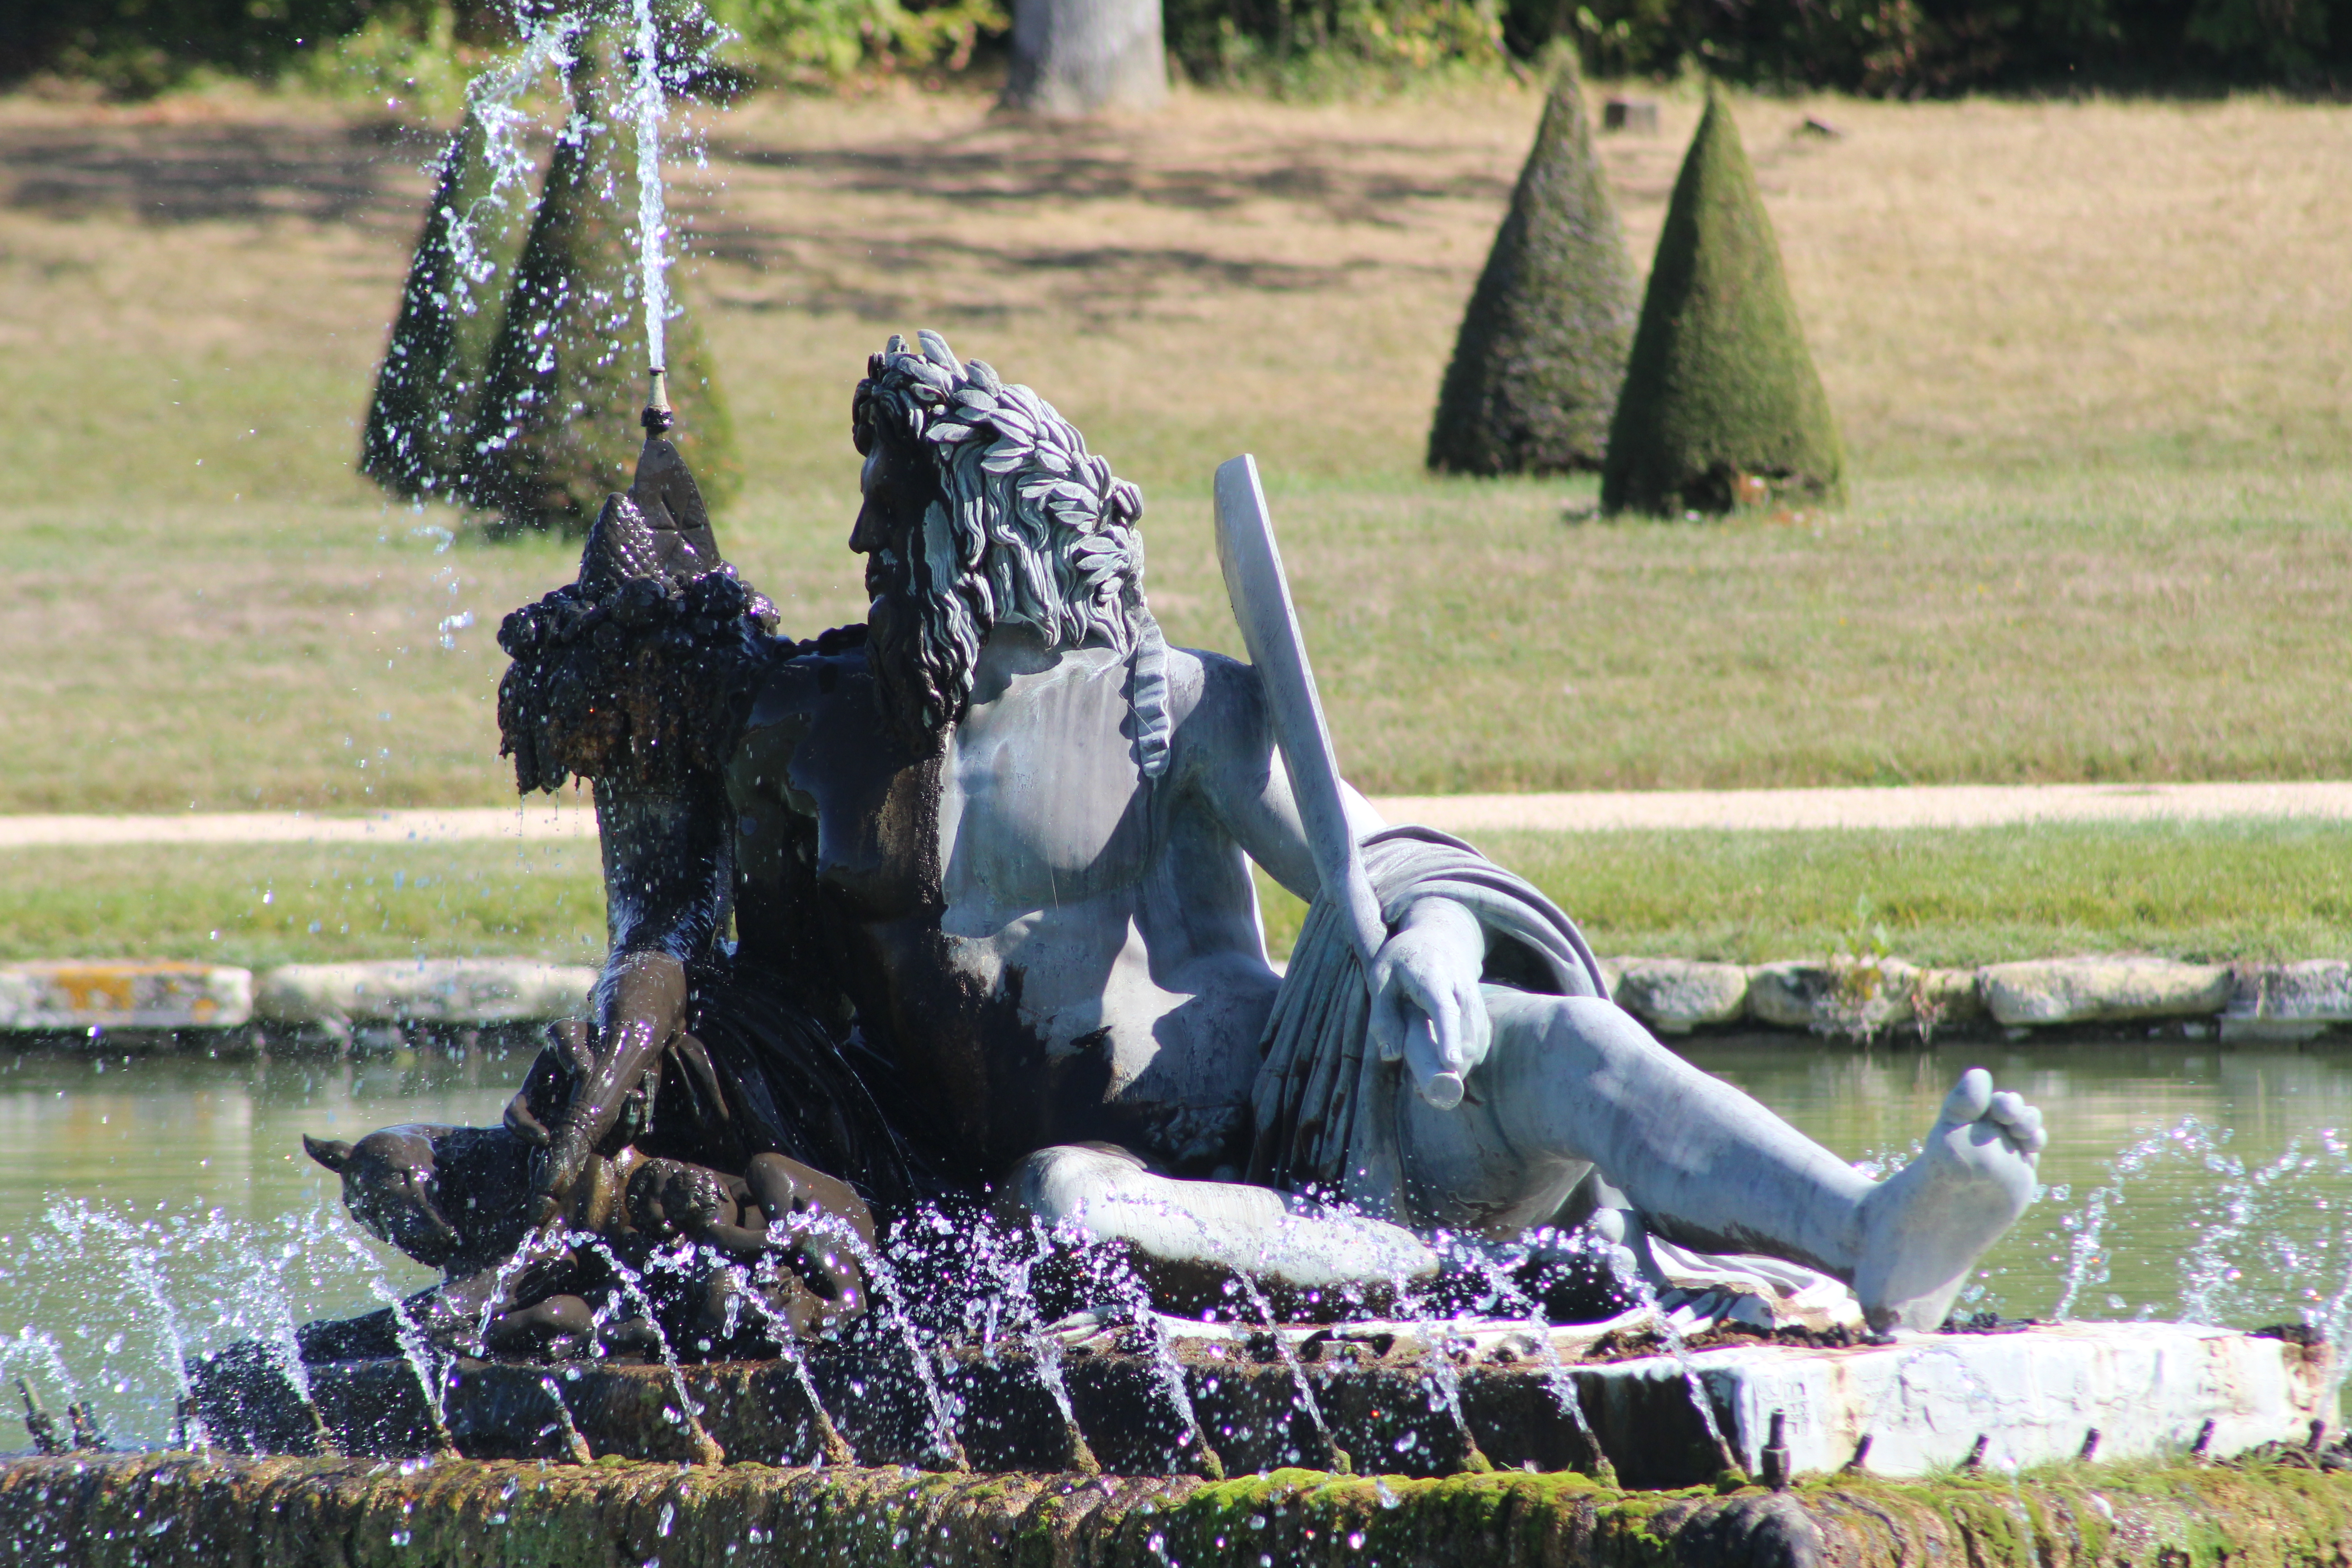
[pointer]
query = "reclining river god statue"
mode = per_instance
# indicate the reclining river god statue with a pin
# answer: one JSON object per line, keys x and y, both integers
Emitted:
{"x": 956, "y": 905}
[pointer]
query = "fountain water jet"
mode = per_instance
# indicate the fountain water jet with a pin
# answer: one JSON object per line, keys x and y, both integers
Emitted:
{"x": 883, "y": 1279}
{"x": 1334, "y": 1458}
{"x": 707, "y": 1450}
{"x": 1626, "y": 1264}
{"x": 653, "y": 224}
{"x": 1514, "y": 1300}
{"x": 2085, "y": 1262}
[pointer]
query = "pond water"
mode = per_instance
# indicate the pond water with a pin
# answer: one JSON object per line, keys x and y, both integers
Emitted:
{"x": 148, "y": 1199}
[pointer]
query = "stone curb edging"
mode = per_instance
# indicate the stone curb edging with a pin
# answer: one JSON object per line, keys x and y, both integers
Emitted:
{"x": 1862, "y": 998}
{"x": 159, "y": 996}
{"x": 1855, "y": 998}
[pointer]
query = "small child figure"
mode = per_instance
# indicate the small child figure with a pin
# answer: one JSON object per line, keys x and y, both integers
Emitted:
{"x": 803, "y": 1230}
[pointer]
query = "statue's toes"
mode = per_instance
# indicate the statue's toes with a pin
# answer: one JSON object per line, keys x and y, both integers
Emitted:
{"x": 1970, "y": 1098}
{"x": 2020, "y": 1122}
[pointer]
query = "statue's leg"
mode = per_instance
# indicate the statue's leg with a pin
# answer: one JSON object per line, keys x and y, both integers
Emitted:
{"x": 1196, "y": 1233}
{"x": 1572, "y": 1079}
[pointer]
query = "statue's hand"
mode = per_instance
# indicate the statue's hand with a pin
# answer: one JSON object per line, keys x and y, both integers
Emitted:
{"x": 641, "y": 1006}
{"x": 1427, "y": 1009}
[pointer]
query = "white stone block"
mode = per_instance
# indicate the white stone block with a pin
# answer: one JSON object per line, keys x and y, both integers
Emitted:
{"x": 2033, "y": 1394}
{"x": 1789, "y": 994}
{"x": 1675, "y": 995}
{"x": 123, "y": 993}
{"x": 1861, "y": 996}
{"x": 2288, "y": 1003}
{"x": 424, "y": 991}
{"x": 2097, "y": 990}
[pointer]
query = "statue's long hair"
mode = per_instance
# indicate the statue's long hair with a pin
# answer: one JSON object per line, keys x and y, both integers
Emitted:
{"x": 1027, "y": 526}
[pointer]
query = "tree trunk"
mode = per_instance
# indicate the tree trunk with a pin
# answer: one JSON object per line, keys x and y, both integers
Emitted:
{"x": 1078, "y": 57}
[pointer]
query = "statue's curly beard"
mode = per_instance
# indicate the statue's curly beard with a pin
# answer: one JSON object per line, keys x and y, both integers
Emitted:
{"x": 921, "y": 647}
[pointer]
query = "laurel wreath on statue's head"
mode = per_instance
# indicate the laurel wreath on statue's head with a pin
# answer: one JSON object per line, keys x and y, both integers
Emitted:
{"x": 1016, "y": 475}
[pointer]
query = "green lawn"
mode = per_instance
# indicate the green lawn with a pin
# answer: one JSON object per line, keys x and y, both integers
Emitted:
{"x": 261, "y": 904}
{"x": 1957, "y": 898}
{"x": 1965, "y": 897}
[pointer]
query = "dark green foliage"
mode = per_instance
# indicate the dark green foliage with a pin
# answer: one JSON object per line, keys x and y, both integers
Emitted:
{"x": 418, "y": 441}
{"x": 1891, "y": 46}
{"x": 1900, "y": 47}
{"x": 1719, "y": 392}
{"x": 1317, "y": 45}
{"x": 557, "y": 429}
{"x": 137, "y": 47}
{"x": 1543, "y": 343}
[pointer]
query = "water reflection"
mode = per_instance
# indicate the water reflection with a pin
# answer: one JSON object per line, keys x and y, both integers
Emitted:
{"x": 128, "y": 1181}
{"x": 144, "y": 1131}
{"x": 2101, "y": 1099}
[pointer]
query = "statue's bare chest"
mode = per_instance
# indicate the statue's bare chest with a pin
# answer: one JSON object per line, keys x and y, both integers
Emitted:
{"x": 1033, "y": 803}
{"x": 1042, "y": 805}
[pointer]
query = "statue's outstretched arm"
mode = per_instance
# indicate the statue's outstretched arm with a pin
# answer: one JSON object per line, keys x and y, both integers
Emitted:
{"x": 668, "y": 873}
{"x": 1225, "y": 751}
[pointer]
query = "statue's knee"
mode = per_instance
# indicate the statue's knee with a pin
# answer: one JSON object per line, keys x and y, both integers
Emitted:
{"x": 1055, "y": 1185}
{"x": 785, "y": 1187}
{"x": 1592, "y": 1029}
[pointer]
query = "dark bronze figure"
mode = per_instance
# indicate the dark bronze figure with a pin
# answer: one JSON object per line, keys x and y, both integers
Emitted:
{"x": 956, "y": 907}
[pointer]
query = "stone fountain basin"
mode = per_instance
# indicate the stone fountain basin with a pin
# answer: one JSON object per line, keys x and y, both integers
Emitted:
{"x": 2033, "y": 1394}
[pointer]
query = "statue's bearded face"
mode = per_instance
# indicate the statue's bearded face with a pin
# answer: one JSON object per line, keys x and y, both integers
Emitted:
{"x": 983, "y": 508}
{"x": 921, "y": 638}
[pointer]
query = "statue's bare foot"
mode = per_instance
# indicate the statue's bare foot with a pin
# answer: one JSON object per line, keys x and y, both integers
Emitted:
{"x": 1924, "y": 1228}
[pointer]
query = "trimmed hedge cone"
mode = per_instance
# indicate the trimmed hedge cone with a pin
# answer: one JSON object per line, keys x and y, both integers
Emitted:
{"x": 418, "y": 442}
{"x": 557, "y": 429}
{"x": 1542, "y": 350}
{"x": 1721, "y": 406}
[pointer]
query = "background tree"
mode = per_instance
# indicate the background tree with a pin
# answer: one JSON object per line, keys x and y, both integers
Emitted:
{"x": 1542, "y": 349}
{"x": 418, "y": 440}
{"x": 1077, "y": 56}
{"x": 557, "y": 429}
{"x": 1721, "y": 403}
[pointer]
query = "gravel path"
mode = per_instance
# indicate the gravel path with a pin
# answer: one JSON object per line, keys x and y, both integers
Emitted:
{"x": 1937, "y": 806}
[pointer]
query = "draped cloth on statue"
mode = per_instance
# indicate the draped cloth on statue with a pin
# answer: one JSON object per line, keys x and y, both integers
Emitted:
{"x": 756, "y": 1073}
{"x": 1324, "y": 1104}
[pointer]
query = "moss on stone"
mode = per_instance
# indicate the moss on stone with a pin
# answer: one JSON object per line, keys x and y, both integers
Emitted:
{"x": 417, "y": 442}
{"x": 180, "y": 1512}
{"x": 1721, "y": 405}
{"x": 1535, "y": 368}
{"x": 556, "y": 430}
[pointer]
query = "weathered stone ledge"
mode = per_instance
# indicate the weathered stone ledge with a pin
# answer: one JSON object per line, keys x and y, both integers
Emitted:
{"x": 2148, "y": 1389}
{"x": 1871, "y": 998}
{"x": 177, "y": 1510}
{"x": 132, "y": 1004}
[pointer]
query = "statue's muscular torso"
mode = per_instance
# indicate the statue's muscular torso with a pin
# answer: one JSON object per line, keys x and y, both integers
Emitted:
{"x": 1047, "y": 946}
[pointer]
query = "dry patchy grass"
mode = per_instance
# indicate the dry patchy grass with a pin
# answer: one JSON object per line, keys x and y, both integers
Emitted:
{"x": 2088, "y": 356}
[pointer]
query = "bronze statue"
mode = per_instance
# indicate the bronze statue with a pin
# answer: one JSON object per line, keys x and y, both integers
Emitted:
{"x": 986, "y": 861}
{"x": 773, "y": 1252}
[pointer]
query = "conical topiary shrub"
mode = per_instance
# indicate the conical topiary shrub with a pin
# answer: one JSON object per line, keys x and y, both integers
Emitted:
{"x": 1542, "y": 349}
{"x": 1722, "y": 406}
{"x": 557, "y": 430}
{"x": 418, "y": 438}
